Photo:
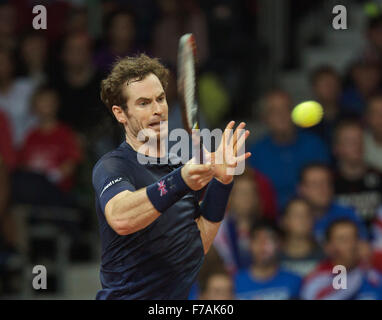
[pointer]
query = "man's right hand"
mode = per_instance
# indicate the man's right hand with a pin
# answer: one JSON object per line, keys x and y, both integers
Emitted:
{"x": 196, "y": 176}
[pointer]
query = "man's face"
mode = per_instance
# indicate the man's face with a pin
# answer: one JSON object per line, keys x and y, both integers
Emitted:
{"x": 277, "y": 114}
{"x": 374, "y": 117}
{"x": 316, "y": 187}
{"x": 367, "y": 78}
{"x": 219, "y": 287}
{"x": 77, "y": 52}
{"x": 46, "y": 105}
{"x": 375, "y": 36}
{"x": 264, "y": 247}
{"x": 244, "y": 201}
{"x": 122, "y": 29}
{"x": 343, "y": 245}
{"x": 146, "y": 107}
{"x": 327, "y": 88}
{"x": 349, "y": 145}
{"x": 298, "y": 221}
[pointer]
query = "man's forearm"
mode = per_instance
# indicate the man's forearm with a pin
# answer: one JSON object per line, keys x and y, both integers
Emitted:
{"x": 208, "y": 231}
{"x": 212, "y": 210}
{"x": 129, "y": 212}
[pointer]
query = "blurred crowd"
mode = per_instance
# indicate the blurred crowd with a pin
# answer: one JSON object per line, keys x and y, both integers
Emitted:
{"x": 310, "y": 199}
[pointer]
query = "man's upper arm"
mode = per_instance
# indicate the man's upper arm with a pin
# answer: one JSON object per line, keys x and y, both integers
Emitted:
{"x": 110, "y": 178}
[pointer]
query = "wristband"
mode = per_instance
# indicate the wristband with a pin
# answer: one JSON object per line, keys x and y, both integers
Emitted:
{"x": 168, "y": 190}
{"x": 215, "y": 200}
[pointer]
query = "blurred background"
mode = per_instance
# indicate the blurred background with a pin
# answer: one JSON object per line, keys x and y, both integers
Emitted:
{"x": 309, "y": 199}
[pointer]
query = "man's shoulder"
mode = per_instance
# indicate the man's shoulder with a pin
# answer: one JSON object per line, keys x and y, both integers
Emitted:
{"x": 112, "y": 159}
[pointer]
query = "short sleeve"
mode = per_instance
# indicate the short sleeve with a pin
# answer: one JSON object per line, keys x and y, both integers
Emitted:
{"x": 111, "y": 177}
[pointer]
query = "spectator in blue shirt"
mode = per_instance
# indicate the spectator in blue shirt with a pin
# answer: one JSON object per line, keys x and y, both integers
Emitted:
{"x": 265, "y": 279}
{"x": 282, "y": 153}
{"x": 316, "y": 186}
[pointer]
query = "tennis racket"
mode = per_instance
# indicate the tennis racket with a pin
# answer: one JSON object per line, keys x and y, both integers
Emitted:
{"x": 187, "y": 84}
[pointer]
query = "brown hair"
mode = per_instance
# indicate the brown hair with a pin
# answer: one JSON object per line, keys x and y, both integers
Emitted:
{"x": 126, "y": 69}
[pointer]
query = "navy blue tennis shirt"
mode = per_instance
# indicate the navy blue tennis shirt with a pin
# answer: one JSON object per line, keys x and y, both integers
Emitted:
{"x": 160, "y": 261}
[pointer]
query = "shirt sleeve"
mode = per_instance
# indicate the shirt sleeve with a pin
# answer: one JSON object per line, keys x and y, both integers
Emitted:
{"x": 111, "y": 177}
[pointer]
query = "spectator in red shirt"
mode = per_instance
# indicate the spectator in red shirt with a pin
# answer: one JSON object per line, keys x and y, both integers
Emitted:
{"x": 51, "y": 149}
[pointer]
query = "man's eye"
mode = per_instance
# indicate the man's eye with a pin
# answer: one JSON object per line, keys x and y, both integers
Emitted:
{"x": 161, "y": 99}
{"x": 143, "y": 103}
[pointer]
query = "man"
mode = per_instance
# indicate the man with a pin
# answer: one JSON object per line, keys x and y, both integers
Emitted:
{"x": 355, "y": 183}
{"x": 300, "y": 252}
{"x": 343, "y": 249}
{"x": 365, "y": 82}
{"x": 326, "y": 86}
{"x": 15, "y": 94}
{"x": 282, "y": 153}
{"x": 373, "y": 134}
{"x": 217, "y": 286}
{"x": 265, "y": 280}
{"x": 154, "y": 233}
{"x": 316, "y": 186}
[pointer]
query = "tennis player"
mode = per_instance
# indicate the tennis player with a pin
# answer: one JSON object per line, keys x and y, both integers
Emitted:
{"x": 154, "y": 229}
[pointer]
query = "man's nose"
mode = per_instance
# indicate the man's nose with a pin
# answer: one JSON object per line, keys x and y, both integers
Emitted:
{"x": 157, "y": 108}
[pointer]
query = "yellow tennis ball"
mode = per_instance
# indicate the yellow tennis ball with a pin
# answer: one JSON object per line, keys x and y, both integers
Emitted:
{"x": 307, "y": 114}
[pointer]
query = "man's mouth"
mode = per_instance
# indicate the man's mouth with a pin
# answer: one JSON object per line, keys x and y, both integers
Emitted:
{"x": 155, "y": 125}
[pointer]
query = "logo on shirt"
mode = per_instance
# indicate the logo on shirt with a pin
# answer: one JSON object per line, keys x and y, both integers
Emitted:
{"x": 110, "y": 184}
{"x": 162, "y": 188}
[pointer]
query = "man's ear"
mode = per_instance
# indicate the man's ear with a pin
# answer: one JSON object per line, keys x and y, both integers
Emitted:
{"x": 119, "y": 114}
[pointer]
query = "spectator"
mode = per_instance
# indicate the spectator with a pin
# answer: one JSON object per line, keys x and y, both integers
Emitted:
{"x": 326, "y": 85}
{"x": 120, "y": 39}
{"x": 300, "y": 253}
{"x": 355, "y": 183}
{"x": 8, "y": 20}
{"x": 316, "y": 186}
{"x": 34, "y": 57}
{"x": 373, "y": 51}
{"x": 282, "y": 153}
{"x": 8, "y": 232}
{"x": 52, "y": 148}
{"x": 365, "y": 82}
{"x": 373, "y": 134}
{"x": 213, "y": 265}
{"x": 265, "y": 279}
{"x": 7, "y": 152}
{"x": 78, "y": 83}
{"x": 14, "y": 98}
{"x": 178, "y": 18}
{"x": 343, "y": 248}
{"x": 233, "y": 238}
{"x": 218, "y": 286}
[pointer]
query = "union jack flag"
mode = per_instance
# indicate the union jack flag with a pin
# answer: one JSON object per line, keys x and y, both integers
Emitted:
{"x": 162, "y": 188}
